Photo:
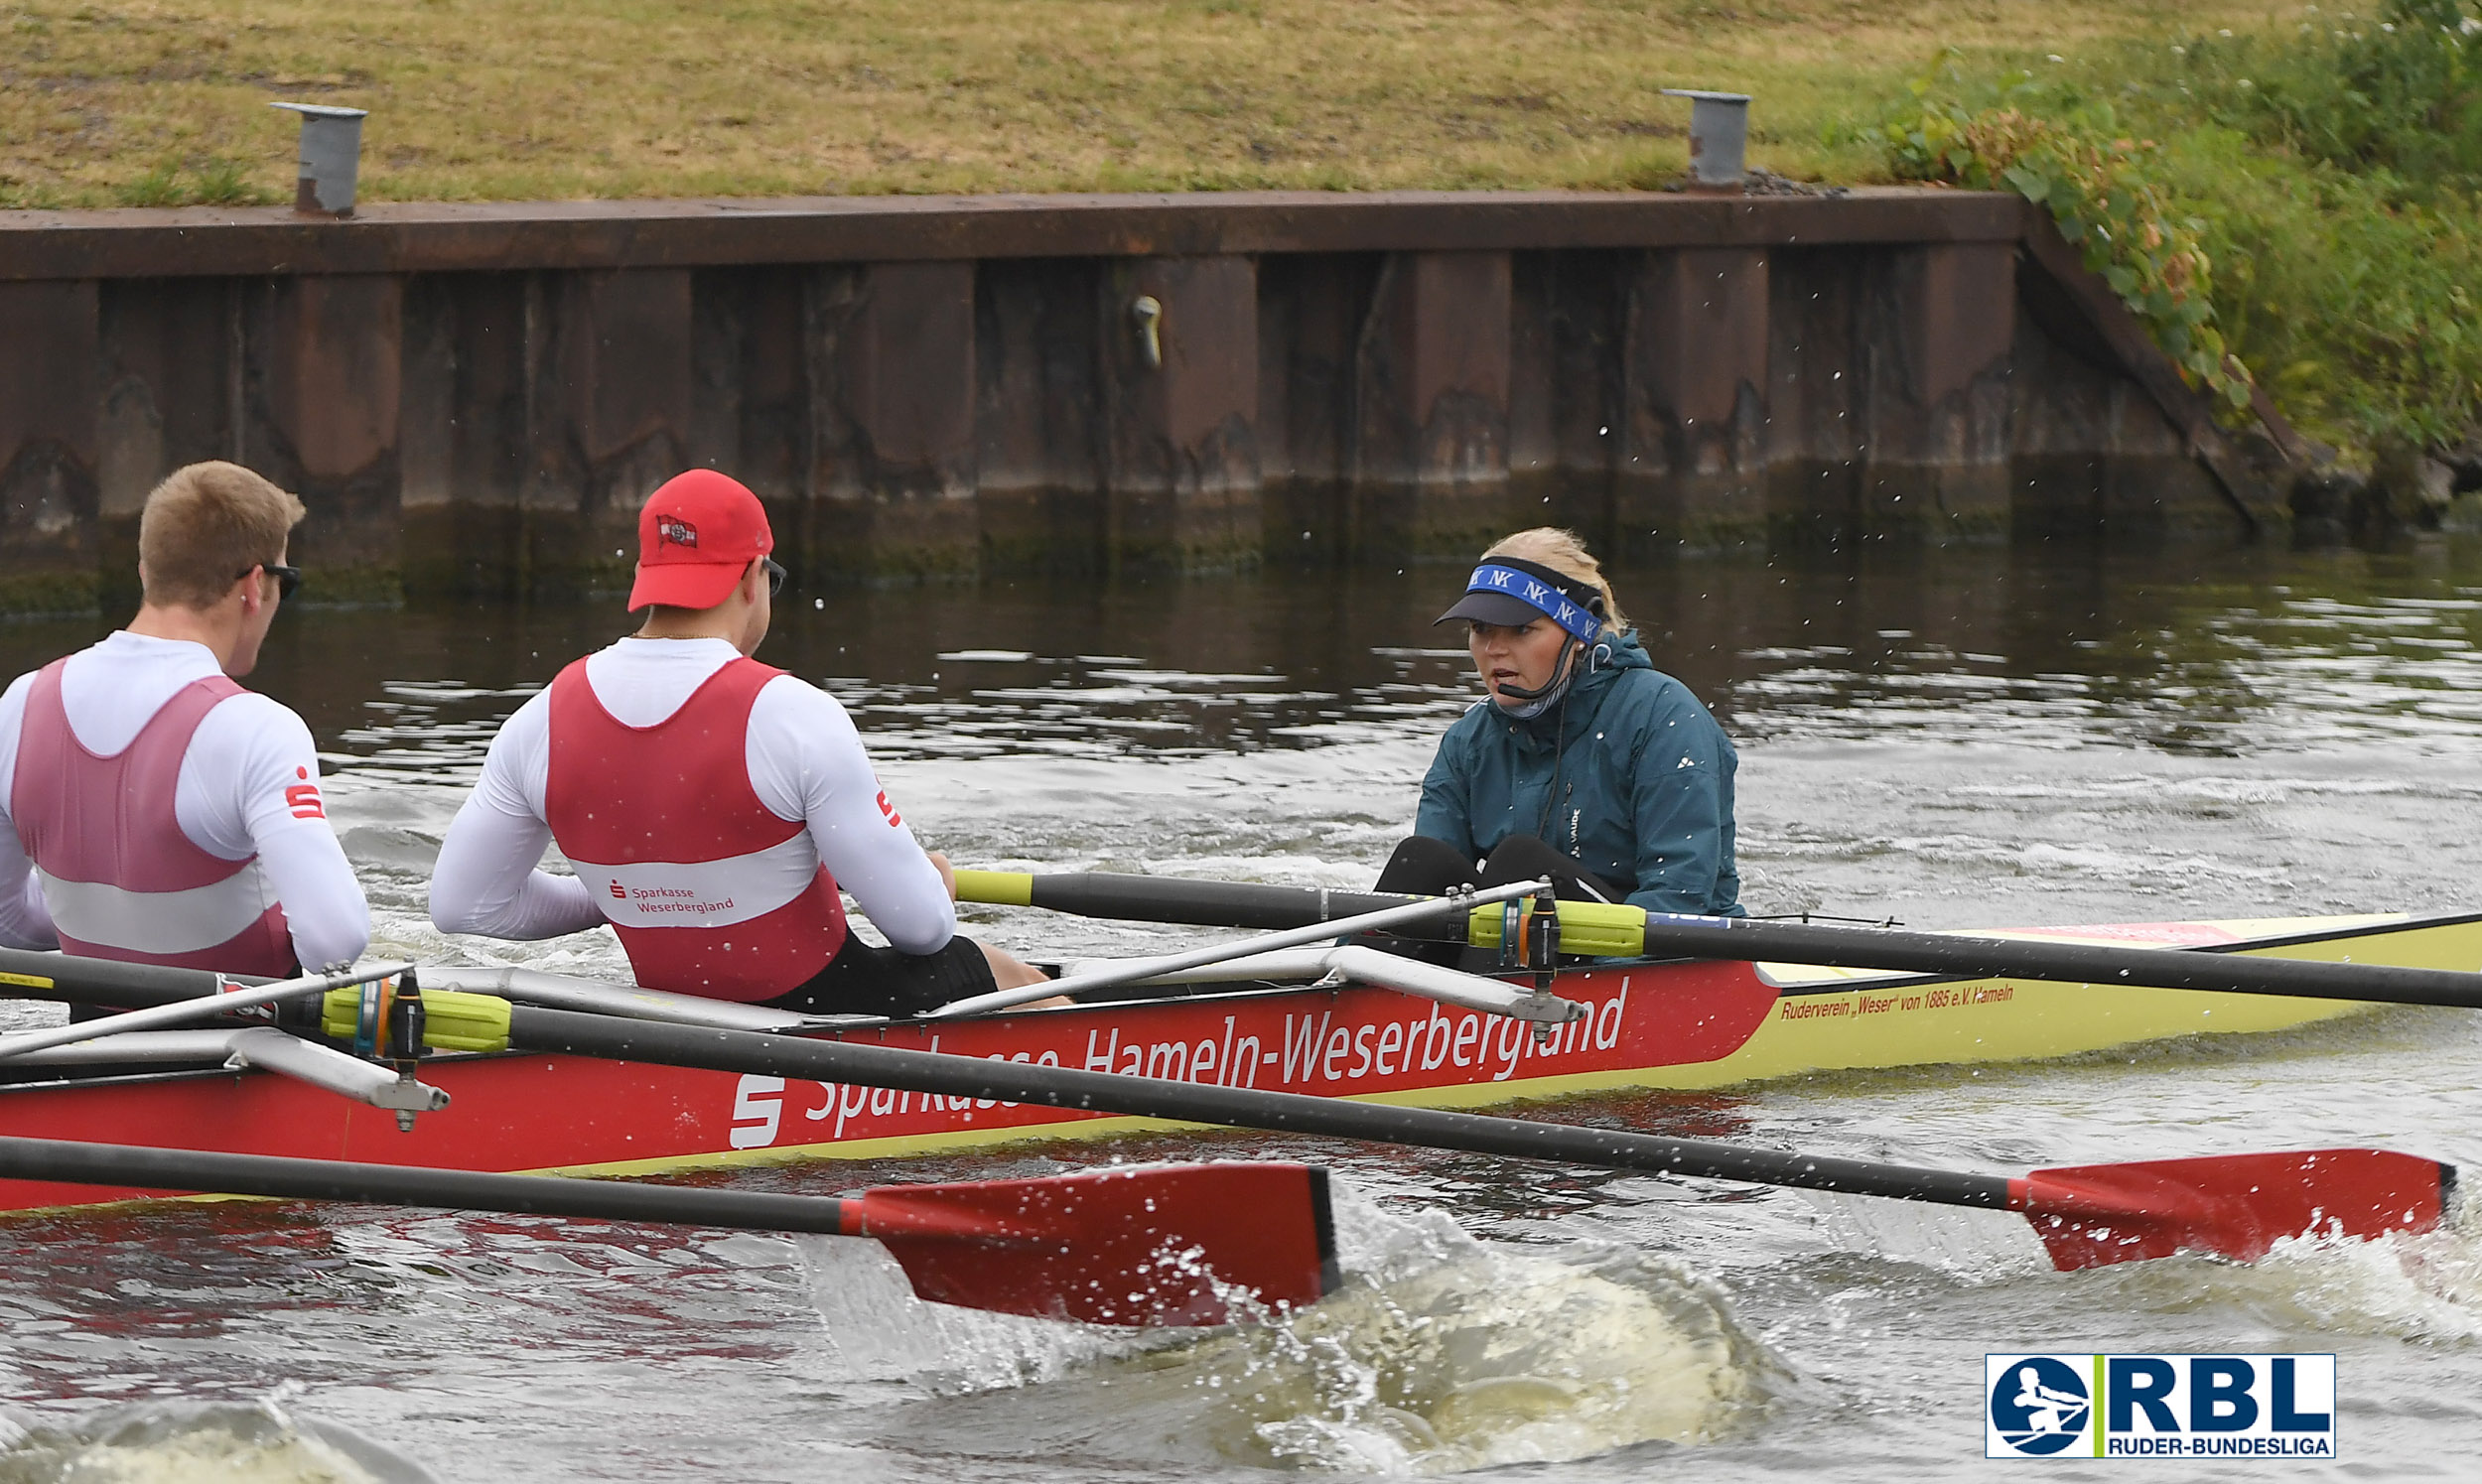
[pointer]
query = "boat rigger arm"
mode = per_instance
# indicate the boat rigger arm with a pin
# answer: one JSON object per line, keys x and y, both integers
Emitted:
{"x": 261, "y": 1046}
{"x": 1361, "y": 964}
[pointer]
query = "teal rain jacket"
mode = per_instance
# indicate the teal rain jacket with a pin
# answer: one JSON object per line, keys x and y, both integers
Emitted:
{"x": 1628, "y": 773}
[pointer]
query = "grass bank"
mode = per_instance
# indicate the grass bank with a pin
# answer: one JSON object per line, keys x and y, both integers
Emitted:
{"x": 2297, "y": 207}
{"x": 159, "y": 102}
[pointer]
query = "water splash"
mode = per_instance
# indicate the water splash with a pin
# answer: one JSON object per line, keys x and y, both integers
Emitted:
{"x": 1440, "y": 1354}
{"x": 2423, "y": 1287}
{"x": 1508, "y": 1356}
{"x": 190, "y": 1442}
{"x": 1961, "y": 1243}
{"x": 878, "y": 1331}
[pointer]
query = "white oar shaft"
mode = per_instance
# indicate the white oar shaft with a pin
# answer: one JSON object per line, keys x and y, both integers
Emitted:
{"x": 184, "y": 1011}
{"x": 1387, "y": 970}
{"x": 1129, "y": 971}
{"x": 560, "y": 991}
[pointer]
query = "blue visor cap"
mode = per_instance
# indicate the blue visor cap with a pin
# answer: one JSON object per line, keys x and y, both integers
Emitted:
{"x": 1511, "y": 591}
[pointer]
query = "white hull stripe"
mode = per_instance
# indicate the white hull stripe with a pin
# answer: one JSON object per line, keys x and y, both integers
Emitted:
{"x": 702, "y": 893}
{"x": 159, "y": 922}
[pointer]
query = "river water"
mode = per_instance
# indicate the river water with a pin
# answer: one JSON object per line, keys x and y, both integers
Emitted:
{"x": 2050, "y": 734}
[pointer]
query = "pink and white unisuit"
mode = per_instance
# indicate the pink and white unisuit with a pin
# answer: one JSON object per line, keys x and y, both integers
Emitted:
{"x": 153, "y": 811}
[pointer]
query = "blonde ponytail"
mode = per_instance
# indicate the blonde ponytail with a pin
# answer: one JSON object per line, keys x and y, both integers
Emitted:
{"x": 1564, "y": 553}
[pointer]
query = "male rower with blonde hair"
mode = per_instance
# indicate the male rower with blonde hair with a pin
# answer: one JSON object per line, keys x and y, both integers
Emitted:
{"x": 151, "y": 810}
{"x": 711, "y": 806}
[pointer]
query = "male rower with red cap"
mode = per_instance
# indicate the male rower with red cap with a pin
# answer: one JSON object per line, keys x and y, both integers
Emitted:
{"x": 152, "y": 811}
{"x": 711, "y": 806}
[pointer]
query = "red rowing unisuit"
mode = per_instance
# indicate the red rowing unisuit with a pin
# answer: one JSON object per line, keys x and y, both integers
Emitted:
{"x": 120, "y": 877}
{"x": 664, "y": 828}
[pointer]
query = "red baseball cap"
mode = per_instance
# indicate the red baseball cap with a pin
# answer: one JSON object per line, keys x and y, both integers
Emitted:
{"x": 697, "y": 536}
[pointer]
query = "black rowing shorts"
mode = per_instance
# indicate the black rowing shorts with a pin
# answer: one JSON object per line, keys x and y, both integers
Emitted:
{"x": 864, "y": 980}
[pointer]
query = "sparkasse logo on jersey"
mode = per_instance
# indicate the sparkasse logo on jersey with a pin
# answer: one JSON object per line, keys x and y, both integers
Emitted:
{"x": 2158, "y": 1406}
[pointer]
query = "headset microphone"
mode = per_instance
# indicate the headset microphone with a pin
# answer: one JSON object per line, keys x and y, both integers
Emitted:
{"x": 1559, "y": 676}
{"x": 1560, "y": 673}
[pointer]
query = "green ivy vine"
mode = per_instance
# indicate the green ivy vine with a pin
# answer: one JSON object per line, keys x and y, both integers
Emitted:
{"x": 2101, "y": 188}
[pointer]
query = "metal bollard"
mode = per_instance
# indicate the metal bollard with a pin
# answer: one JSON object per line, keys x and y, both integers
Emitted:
{"x": 332, "y": 151}
{"x": 1718, "y": 134}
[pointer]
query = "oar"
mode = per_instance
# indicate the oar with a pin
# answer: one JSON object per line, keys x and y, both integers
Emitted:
{"x": 223, "y": 998}
{"x": 2232, "y": 1205}
{"x": 27, "y": 974}
{"x": 1169, "y": 898}
{"x": 1598, "y": 930}
{"x": 1970, "y": 957}
{"x": 1131, "y": 971}
{"x": 31, "y": 975}
{"x": 1621, "y": 931}
{"x": 1131, "y": 1244}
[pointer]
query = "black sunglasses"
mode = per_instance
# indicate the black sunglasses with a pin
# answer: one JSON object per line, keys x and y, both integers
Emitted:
{"x": 776, "y": 576}
{"x": 288, "y": 578}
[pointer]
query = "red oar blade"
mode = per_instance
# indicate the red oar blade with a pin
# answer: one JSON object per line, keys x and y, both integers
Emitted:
{"x": 1143, "y": 1244}
{"x": 2233, "y": 1205}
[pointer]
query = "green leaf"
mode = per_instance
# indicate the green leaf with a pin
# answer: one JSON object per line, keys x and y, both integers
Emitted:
{"x": 2029, "y": 183}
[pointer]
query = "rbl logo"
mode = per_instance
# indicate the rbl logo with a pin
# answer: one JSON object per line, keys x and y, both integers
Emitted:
{"x": 303, "y": 798}
{"x": 2159, "y": 1405}
{"x": 674, "y": 530}
{"x": 2040, "y": 1407}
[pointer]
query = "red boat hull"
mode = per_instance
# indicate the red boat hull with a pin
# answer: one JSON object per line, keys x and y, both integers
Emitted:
{"x": 1679, "y": 1026}
{"x": 529, "y": 1112}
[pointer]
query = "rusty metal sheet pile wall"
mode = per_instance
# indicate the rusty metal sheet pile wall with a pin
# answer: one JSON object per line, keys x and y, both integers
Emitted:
{"x": 473, "y": 398}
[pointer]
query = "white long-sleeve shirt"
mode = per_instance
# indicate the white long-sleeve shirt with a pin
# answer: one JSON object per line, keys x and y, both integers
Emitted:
{"x": 806, "y": 765}
{"x": 232, "y": 799}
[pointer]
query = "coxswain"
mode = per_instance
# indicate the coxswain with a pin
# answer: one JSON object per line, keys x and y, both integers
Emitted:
{"x": 153, "y": 811}
{"x": 1583, "y": 762}
{"x": 711, "y": 806}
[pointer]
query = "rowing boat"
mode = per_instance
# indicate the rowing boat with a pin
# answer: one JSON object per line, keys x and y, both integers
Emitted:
{"x": 1652, "y": 1025}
